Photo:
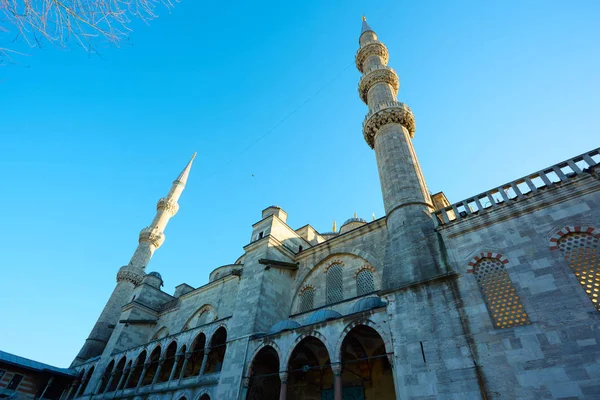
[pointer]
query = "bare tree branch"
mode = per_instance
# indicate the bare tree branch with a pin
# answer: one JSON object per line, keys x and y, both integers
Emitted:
{"x": 59, "y": 21}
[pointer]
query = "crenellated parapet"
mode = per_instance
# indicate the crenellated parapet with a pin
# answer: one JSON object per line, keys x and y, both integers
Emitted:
{"x": 167, "y": 205}
{"x": 391, "y": 112}
{"x": 375, "y": 75}
{"x": 153, "y": 236}
{"x": 370, "y": 49}
{"x": 129, "y": 275}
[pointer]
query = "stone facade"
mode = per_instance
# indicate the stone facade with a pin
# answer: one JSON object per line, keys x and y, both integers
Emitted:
{"x": 492, "y": 297}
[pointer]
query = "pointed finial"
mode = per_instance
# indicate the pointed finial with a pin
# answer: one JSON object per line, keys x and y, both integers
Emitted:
{"x": 373, "y": 216}
{"x": 365, "y": 26}
{"x": 334, "y": 226}
{"x": 183, "y": 176}
{"x": 354, "y": 215}
{"x": 364, "y": 18}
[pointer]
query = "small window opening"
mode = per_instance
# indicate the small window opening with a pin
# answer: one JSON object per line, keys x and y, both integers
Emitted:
{"x": 299, "y": 249}
{"x": 260, "y": 235}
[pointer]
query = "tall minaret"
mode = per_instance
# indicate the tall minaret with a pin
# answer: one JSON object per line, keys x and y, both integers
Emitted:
{"x": 412, "y": 252}
{"x": 129, "y": 276}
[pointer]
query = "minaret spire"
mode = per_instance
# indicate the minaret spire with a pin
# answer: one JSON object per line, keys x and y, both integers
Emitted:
{"x": 131, "y": 275}
{"x": 412, "y": 252}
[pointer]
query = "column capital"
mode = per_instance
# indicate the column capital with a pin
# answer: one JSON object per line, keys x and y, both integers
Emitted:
{"x": 188, "y": 355}
{"x": 246, "y": 382}
{"x": 283, "y": 376}
{"x": 336, "y": 368}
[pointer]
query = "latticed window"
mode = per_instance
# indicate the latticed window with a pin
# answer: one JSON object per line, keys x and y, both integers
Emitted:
{"x": 581, "y": 252}
{"x": 335, "y": 284}
{"x": 499, "y": 293}
{"x": 364, "y": 283}
{"x": 307, "y": 300}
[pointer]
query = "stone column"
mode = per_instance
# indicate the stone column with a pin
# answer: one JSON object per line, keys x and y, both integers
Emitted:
{"x": 204, "y": 359}
{"x": 47, "y": 386}
{"x": 283, "y": 376}
{"x": 71, "y": 387}
{"x": 125, "y": 371}
{"x": 142, "y": 375}
{"x": 337, "y": 381}
{"x": 112, "y": 376}
{"x": 129, "y": 373}
{"x": 156, "y": 375}
{"x": 81, "y": 386}
{"x": 188, "y": 355}
{"x": 174, "y": 369}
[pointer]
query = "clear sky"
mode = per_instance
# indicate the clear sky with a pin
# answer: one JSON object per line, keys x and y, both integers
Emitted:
{"x": 89, "y": 144}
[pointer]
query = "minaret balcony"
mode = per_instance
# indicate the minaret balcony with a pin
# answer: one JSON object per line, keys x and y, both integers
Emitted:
{"x": 167, "y": 205}
{"x": 390, "y": 112}
{"x": 153, "y": 236}
{"x": 378, "y": 74}
{"x": 369, "y": 49}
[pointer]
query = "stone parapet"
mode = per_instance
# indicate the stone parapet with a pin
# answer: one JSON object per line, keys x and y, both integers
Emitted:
{"x": 167, "y": 205}
{"x": 554, "y": 175}
{"x": 152, "y": 236}
{"x": 127, "y": 274}
{"x": 379, "y": 74}
{"x": 388, "y": 113}
{"x": 371, "y": 48}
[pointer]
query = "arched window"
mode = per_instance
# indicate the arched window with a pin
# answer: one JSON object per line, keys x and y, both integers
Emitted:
{"x": 580, "y": 249}
{"x": 335, "y": 284}
{"x": 364, "y": 282}
{"x": 503, "y": 304}
{"x": 218, "y": 345}
{"x": 106, "y": 376}
{"x": 307, "y": 300}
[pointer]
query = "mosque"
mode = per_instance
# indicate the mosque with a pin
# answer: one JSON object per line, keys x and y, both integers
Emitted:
{"x": 494, "y": 296}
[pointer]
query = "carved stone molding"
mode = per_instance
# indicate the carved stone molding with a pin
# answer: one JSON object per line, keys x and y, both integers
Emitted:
{"x": 283, "y": 376}
{"x": 152, "y": 236}
{"x": 377, "y": 75}
{"x": 373, "y": 48}
{"x": 336, "y": 368}
{"x": 392, "y": 112}
{"x": 129, "y": 275}
{"x": 167, "y": 205}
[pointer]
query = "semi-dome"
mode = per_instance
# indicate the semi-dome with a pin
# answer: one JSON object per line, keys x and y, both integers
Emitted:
{"x": 322, "y": 315}
{"x": 368, "y": 303}
{"x": 284, "y": 325}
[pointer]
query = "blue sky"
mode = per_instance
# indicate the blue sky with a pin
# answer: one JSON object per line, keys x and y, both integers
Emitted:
{"x": 90, "y": 143}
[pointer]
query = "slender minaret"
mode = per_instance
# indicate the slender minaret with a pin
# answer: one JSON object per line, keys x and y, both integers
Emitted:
{"x": 129, "y": 276}
{"x": 412, "y": 252}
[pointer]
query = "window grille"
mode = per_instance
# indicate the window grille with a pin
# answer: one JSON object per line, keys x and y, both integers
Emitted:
{"x": 364, "y": 283}
{"x": 307, "y": 300}
{"x": 499, "y": 293}
{"x": 580, "y": 249}
{"x": 335, "y": 284}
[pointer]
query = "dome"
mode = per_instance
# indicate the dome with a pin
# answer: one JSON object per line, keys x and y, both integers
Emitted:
{"x": 355, "y": 219}
{"x": 322, "y": 315}
{"x": 284, "y": 325}
{"x": 368, "y": 303}
{"x": 156, "y": 274}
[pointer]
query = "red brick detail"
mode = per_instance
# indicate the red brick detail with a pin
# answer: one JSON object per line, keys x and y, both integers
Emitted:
{"x": 469, "y": 270}
{"x": 505, "y": 261}
{"x": 553, "y": 247}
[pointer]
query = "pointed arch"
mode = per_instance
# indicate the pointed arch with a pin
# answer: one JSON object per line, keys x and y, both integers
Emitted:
{"x": 316, "y": 335}
{"x": 203, "y": 315}
{"x": 385, "y": 335}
